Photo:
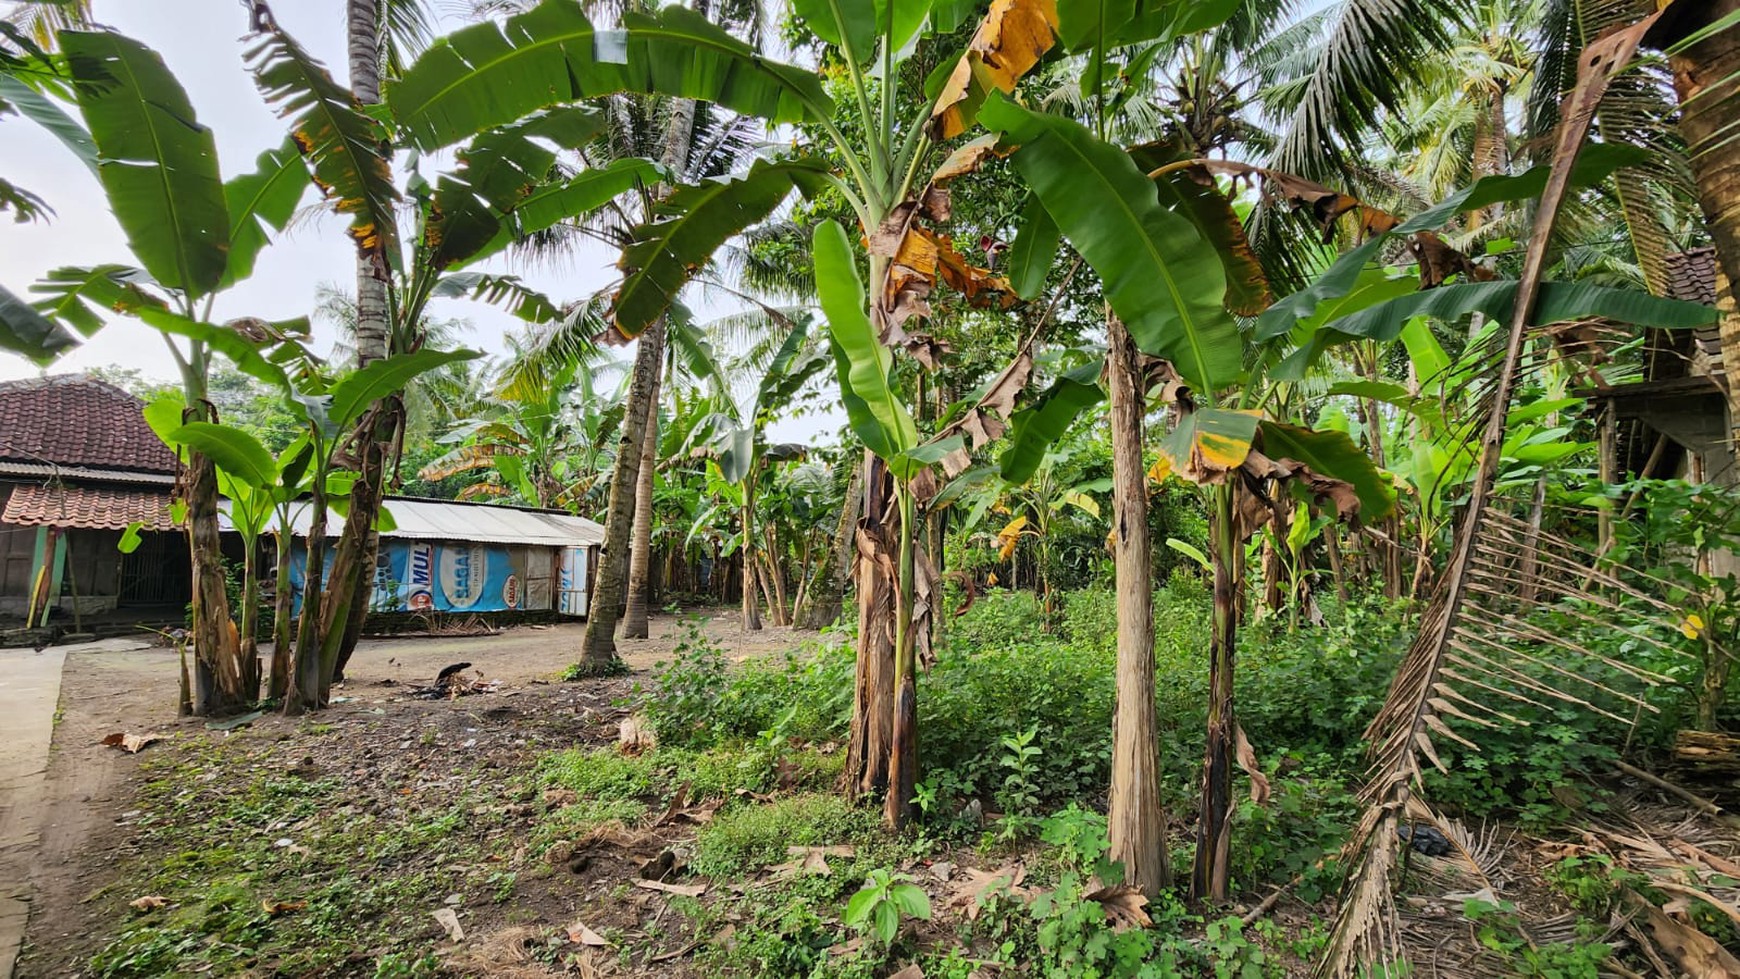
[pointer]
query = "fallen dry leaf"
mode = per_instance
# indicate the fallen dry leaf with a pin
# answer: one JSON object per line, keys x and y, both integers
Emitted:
{"x": 686, "y": 890}
{"x": 150, "y": 902}
{"x": 276, "y": 908}
{"x": 131, "y": 743}
{"x": 971, "y": 892}
{"x": 634, "y": 735}
{"x": 1123, "y": 905}
{"x": 812, "y": 859}
{"x": 910, "y": 972}
{"x": 449, "y": 920}
{"x": 580, "y": 934}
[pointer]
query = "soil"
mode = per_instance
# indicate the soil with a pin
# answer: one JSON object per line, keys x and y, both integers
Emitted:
{"x": 387, "y": 743}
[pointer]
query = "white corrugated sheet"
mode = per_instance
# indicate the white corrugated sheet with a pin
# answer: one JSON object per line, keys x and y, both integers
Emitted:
{"x": 482, "y": 523}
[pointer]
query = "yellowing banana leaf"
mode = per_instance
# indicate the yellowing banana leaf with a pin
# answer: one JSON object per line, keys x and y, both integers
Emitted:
{"x": 1011, "y": 39}
{"x": 1210, "y": 442}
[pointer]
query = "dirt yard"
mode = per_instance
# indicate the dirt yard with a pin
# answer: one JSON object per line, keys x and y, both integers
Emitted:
{"x": 378, "y": 753}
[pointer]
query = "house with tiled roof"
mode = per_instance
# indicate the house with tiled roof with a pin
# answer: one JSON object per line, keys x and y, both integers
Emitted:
{"x": 78, "y": 466}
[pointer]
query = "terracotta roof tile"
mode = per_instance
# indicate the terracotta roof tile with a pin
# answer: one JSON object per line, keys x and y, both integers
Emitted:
{"x": 91, "y": 507}
{"x": 74, "y": 420}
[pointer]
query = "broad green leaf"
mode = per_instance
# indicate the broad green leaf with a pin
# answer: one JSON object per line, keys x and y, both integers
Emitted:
{"x": 342, "y": 144}
{"x": 775, "y": 379}
{"x": 35, "y": 106}
{"x": 158, "y": 165}
{"x": 1333, "y": 454}
{"x": 1037, "y": 427}
{"x": 1431, "y": 363}
{"x": 843, "y": 23}
{"x": 130, "y": 538}
{"x": 261, "y": 203}
{"x": 1191, "y": 551}
{"x": 1247, "y": 286}
{"x": 79, "y": 296}
{"x": 1559, "y": 302}
{"x": 734, "y": 448}
{"x": 1160, "y": 276}
{"x": 585, "y": 192}
{"x": 232, "y": 450}
{"x": 1035, "y": 248}
{"x": 1594, "y": 164}
{"x": 876, "y": 413}
{"x": 25, "y": 331}
{"x": 899, "y": 21}
{"x": 356, "y": 391}
{"x": 491, "y": 74}
{"x": 1085, "y": 25}
{"x": 164, "y": 415}
{"x": 689, "y": 226}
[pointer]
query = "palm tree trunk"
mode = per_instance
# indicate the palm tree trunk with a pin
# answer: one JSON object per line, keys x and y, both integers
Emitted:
{"x": 871, "y": 741}
{"x": 1709, "y": 103}
{"x": 634, "y": 617}
{"x": 1135, "y": 819}
{"x": 598, "y": 646}
{"x": 822, "y": 603}
{"x": 353, "y": 561}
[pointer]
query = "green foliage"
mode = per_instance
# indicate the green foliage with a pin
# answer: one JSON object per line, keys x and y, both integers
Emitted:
{"x": 886, "y": 900}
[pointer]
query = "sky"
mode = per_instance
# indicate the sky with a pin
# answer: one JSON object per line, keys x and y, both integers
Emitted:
{"x": 202, "y": 43}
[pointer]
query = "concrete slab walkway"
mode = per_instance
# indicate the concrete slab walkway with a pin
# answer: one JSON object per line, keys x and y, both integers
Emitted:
{"x": 29, "y": 696}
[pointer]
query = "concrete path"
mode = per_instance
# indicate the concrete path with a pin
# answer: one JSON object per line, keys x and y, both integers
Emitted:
{"x": 29, "y": 696}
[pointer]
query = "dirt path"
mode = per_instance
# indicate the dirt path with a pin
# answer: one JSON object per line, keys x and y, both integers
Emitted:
{"x": 29, "y": 693}
{"x": 81, "y": 810}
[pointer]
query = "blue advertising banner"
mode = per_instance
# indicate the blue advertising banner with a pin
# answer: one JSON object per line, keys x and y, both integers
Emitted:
{"x": 422, "y": 576}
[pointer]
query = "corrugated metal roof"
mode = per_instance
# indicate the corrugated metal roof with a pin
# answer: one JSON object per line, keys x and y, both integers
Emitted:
{"x": 482, "y": 523}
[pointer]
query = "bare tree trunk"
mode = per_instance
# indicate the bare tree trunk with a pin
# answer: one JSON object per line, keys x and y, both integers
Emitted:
{"x": 872, "y": 734}
{"x": 218, "y": 686}
{"x": 1209, "y": 876}
{"x": 634, "y": 617}
{"x": 598, "y": 646}
{"x": 1135, "y": 819}
{"x": 823, "y": 602}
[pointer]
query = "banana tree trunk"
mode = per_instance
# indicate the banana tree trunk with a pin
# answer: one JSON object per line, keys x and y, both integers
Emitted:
{"x": 1135, "y": 819}
{"x": 751, "y": 620}
{"x": 1210, "y": 874}
{"x": 871, "y": 741}
{"x": 248, "y": 644}
{"x": 770, "y": 565}
{"x": 823, "y": 602}
{"x": 304, "y": 693}
{"x": 598, "y": 646}
{"x": 634, "y": 616}
{"x": 1704, "y": 76}
{"x": 903, "y": 751}
{"x": 218, "y": 679}
{"x": 279, "y": 684}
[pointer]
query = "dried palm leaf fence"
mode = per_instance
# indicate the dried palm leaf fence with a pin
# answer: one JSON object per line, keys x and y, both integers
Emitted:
{"x": 1478, "y": 651}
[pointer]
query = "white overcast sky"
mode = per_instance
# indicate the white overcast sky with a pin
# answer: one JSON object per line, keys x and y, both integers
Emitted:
{"x": 201, "y": 40}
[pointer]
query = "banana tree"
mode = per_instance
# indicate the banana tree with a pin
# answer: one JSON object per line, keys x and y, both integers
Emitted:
{"x": 192, "y": 235}
{"x": 740, "y": 450}
{"x": 491, "y": 74}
